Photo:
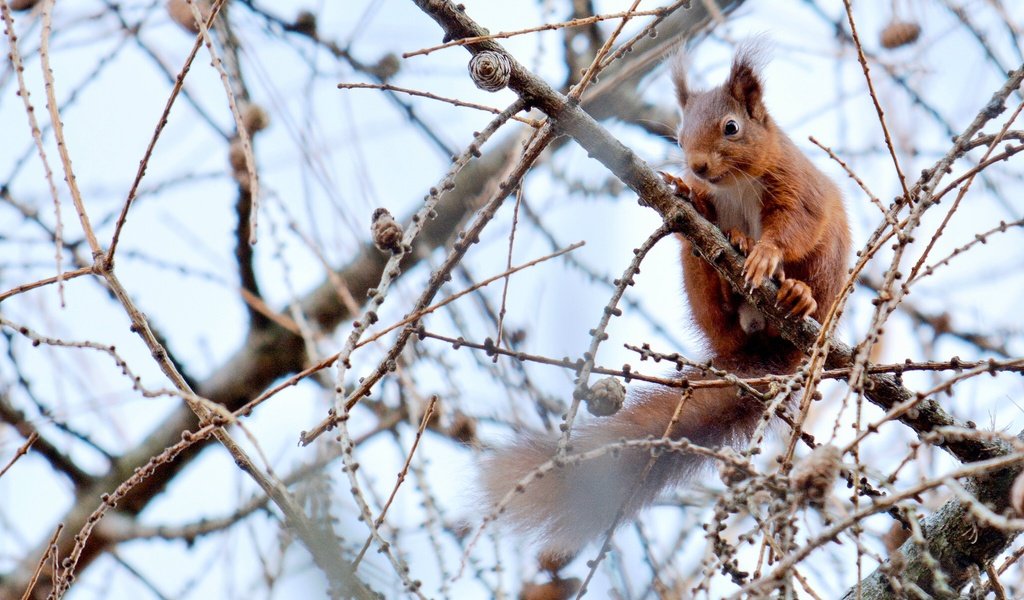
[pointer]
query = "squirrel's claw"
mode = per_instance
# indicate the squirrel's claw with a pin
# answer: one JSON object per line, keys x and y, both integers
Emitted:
{"x": 681, "y": 189}
{"x": 762, "y": 262}
{"x": 741, "y": 241}
{"x": 796, "y": 299}
{"x": 697, "y": 197}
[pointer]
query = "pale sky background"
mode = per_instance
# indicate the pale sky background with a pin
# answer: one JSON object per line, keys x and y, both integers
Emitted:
{"x": 366, "y": 155}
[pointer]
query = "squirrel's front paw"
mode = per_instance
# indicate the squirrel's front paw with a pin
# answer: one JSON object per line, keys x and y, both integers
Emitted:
{"x": 741, "y": 241}
{"x": 796, "y": 299}
{"x": 763, "y": 261}
{"x": 681, "y": 189}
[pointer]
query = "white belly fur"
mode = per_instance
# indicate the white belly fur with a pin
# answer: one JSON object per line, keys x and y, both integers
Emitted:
{"x": 738, "y": 206}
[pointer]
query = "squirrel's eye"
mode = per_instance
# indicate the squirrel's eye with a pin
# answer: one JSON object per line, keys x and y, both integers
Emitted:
{"x": 731, "y": 128}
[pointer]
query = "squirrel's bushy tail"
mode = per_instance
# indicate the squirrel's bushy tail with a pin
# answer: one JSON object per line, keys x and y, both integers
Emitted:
{"x": 575, "y": 504}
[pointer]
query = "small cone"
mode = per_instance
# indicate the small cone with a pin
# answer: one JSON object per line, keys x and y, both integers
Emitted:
{"x": 181, "y": 13}
{"x": 899, "y": 33}
{"x": 21, "y": 4}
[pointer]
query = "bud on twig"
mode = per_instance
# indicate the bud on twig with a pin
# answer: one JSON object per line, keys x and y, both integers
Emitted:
{"x": 387, "y": 233}
{"x": 606, "y": 397}
{"x": 813, "y": 476}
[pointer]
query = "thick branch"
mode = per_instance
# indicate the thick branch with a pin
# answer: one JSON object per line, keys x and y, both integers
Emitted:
{"x": 57, "y": 459}
{"x": 956, "y": 542}
{"x": 273, "y": 352}
{"x": 882, "y": 389}
{"x": 960, "y": 540}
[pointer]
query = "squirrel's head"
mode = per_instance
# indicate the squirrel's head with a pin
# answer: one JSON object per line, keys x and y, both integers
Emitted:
{"x": 726, "y": 131}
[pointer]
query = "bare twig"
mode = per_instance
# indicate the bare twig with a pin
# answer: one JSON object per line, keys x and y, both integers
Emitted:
{"x": 453, "y": 101}
{"x": 21, "y": 451}
{"x": 625, "y": 15}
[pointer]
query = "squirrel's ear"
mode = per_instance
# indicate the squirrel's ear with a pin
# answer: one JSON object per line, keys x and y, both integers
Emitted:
{"x": 678, "y": 71}
{"x": 744, "y": 84}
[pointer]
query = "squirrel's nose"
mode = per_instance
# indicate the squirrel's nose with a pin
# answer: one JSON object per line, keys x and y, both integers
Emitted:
{"x": 700, "y": 169}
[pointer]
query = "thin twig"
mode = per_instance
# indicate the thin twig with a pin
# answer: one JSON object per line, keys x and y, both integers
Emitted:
{"x": 37, "y": 138}
{"x": 51, "y": 549}
{"x": 427, "y": 415}
{"x": 179, "y": 83}
{"x": 58, "y": 129}
{"x": 58, "y": 279}
{"x": 453, "y": 101}
{"x": 22, "y": 451}
{"x": 874, "y": 98}
{"x": 476, "y": 39}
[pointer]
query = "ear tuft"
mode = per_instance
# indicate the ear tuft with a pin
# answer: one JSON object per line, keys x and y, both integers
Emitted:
{"x": 744, "y": 83}
{"x": 677, "y": 67}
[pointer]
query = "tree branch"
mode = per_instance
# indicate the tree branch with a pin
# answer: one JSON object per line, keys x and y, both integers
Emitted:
{"x": 271, "y": 353}
{"x": 884, "y": 390}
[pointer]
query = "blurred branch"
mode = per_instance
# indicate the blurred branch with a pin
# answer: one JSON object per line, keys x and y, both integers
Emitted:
{"x": 274, "y": 352}
{"x": 45, "y": 448}
{"x": 242, "y": 158}
{"x": 902, "y": 81}
{"x": 282, "y": 349}
{"x": 576, "y": 21}
{"x": 883, "y": 390}
{"x": 957, "y": 541}
{"x": 308, "y": 29}
{"x": 21, "y": 451}
{"x": 942, "y": 324}
{"x": 577, "y": 59}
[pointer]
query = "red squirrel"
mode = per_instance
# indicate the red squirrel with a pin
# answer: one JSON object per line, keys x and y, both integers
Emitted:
{"x": 748, "y": 177}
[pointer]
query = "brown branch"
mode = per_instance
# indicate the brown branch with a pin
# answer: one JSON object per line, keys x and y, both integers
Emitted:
{"x": 470, "y": 235}
{"x": 51, "y": 549}
{"x": 883, "y": 390}
{"x": 179, "y": 84}
{"x": 276, "y": 352}
{"x": 874, "y": 99}
{"x": 625, "y": 15}
{"x": 424, "y": 421}
{"x": 956, "y": 542}
{"x": 42, "y": 446}
{"x": 266, "y": 356}
{"x": 63, "y": 276}
{"x": 453, "y": 101}
{"x": 21, "y": 451}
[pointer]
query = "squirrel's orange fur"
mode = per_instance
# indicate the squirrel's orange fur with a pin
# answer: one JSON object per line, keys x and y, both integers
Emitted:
{"x": 746, "y": 176}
